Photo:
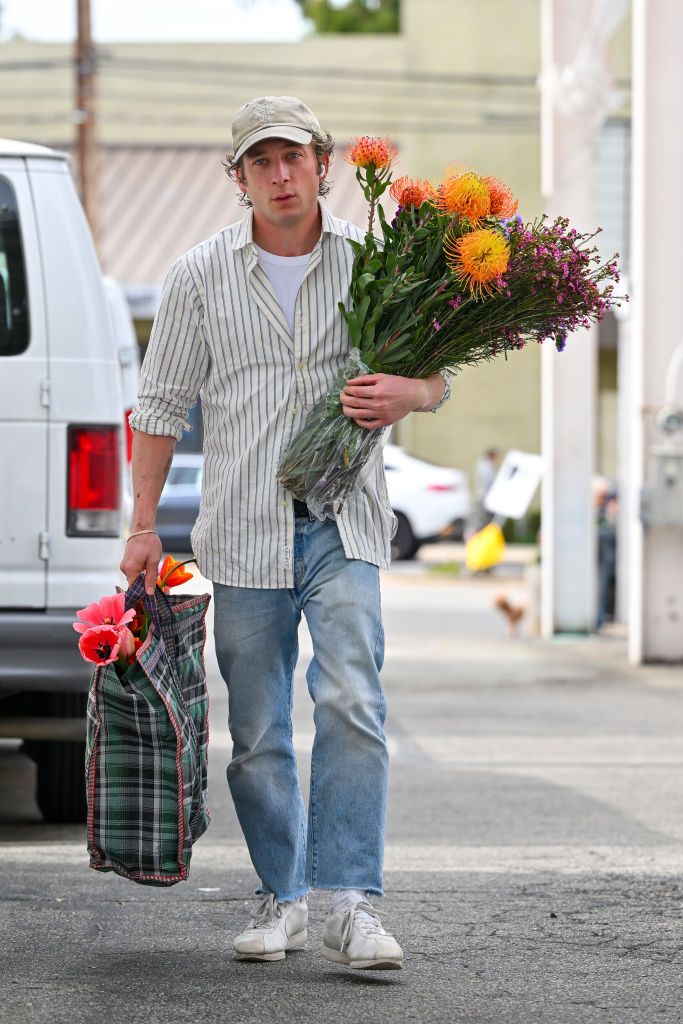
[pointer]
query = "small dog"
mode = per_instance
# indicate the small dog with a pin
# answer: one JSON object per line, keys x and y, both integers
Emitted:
{"x": 513, "y": 613}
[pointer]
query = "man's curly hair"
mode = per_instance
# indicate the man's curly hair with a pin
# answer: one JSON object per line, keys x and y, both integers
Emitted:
{"x": 324, "y": 146}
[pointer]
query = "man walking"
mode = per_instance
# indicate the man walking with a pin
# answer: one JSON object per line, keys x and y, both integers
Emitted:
{"x": 249, "y": 319}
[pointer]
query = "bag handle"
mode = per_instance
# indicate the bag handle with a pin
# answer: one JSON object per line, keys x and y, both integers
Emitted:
{"x": 157, "y": 606}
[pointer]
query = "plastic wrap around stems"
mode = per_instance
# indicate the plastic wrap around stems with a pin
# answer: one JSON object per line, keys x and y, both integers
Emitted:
{"x": 322, "y": 463}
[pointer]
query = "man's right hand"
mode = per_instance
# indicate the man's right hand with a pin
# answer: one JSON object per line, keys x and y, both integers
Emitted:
{"x": 142, "y": 554}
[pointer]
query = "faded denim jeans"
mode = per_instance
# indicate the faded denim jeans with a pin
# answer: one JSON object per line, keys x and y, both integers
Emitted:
{"x": 341, "y": 843}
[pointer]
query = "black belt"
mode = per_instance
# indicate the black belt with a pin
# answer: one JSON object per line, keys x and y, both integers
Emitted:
{"x": 300, "y": 509}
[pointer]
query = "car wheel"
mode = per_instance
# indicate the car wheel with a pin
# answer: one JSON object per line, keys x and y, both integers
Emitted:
{"x": 60, "y": 791}
{"x": 404, "y": 544}
{"x": 60, "y": 794}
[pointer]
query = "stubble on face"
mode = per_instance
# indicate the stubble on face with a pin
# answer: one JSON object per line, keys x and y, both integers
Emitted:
{"x": 282, "y": 180}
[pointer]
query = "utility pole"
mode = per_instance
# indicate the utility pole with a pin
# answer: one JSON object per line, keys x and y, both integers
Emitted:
{"x": 85, "y": 116}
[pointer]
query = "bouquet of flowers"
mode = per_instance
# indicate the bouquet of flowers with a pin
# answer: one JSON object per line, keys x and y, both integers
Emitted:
{"x": 112, "y": 635}
{"x": 456, "y": 279}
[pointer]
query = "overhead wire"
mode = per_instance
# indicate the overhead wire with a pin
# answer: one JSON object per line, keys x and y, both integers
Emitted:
{"x": 386, "y": 75}
{"x": 109, "y": 94}
{"x": 416, "y": 127}
{"x": 486, "y": 97}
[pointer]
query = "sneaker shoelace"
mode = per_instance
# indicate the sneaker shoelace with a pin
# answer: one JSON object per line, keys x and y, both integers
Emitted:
{"x": 366, "y": 919}
{"x": 266, "y": 913}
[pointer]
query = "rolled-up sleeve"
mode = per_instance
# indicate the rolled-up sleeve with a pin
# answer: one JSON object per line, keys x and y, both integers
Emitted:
{"x": 176, "y": 361}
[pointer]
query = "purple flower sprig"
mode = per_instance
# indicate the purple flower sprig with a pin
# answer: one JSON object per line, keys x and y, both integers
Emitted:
{"x": 558, "y": 279}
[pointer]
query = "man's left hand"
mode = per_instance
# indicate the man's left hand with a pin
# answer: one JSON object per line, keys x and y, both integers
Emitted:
{"x": 380, "y": 399}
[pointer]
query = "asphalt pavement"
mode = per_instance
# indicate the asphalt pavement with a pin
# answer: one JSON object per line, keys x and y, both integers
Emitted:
{"x": 533, "y": 863}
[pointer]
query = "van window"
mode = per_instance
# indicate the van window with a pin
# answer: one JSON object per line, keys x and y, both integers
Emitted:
{"x": 14, "y": 331}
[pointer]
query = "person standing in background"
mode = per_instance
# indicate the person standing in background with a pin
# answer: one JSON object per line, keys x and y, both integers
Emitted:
{"x": 485, "y": 472}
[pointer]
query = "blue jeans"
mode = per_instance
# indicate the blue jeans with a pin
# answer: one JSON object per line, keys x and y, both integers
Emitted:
{"x": 341, "y": 845}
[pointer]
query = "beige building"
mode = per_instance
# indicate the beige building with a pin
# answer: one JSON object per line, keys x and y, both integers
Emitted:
{"x": 459, "y": 83}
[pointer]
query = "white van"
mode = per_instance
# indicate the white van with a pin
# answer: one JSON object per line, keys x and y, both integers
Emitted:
{"x": 128, "y": 352}
{"x": 61, "y": 463}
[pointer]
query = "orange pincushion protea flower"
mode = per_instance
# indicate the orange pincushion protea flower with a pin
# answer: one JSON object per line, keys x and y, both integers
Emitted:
{"x": 172, "y": 573}
{"x": 466, "y": 195}
{"x": 371, "y": 150}
{"x": 411, "y": 191}
{"x": 478, "y": 258}
{"x": 503, "y": 202}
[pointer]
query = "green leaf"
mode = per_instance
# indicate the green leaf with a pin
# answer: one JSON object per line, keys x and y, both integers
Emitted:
{"x": 354, "y": 329}
{"x": 392, "y": 357}
{"x": 369, "y": 334}
{"x": 364, "y": 281}
{"x": 361, "y": 310}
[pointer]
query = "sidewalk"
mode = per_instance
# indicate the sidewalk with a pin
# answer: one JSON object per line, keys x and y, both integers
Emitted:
{"x": 519, "y": 555}
{"x": 534, "y": 853}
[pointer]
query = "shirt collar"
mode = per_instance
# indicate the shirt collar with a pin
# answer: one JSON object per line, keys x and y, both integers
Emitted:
{"x": 243, "y": 235}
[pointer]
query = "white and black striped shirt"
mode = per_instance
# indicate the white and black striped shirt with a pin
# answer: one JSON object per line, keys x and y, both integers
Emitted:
{"x": 220, "y": 333}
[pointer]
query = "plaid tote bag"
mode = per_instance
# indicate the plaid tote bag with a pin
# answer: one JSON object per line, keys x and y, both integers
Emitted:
{"x": 146, "y": 747}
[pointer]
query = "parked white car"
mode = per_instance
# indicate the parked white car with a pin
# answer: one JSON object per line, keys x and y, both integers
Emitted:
{"x": 61, "y": 464}
{"x": 427, "y": 501}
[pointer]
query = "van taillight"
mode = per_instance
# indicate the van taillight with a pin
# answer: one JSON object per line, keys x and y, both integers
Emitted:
{"x": 94, "y": 482}
{"x": 128, "y": 435}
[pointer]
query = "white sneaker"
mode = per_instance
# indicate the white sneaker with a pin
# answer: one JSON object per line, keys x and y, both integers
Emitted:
{"x": 354, "y": 936}
{"x": 274, "y": 928}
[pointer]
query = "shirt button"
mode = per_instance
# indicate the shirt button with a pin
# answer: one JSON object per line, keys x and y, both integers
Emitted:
{"x": 301, "y": 365}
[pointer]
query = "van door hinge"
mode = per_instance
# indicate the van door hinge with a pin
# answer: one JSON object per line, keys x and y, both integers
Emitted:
{"x": 45, "y": 393}
{"x": 44, "y": 546}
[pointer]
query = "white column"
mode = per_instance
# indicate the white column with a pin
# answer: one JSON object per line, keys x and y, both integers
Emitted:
{"x": 569, "y": 379}
{"x": 656, "y": 554}
{"x": 624, "y": 454}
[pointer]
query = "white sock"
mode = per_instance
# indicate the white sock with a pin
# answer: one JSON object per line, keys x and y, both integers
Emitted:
{"x": 352, "y": 895}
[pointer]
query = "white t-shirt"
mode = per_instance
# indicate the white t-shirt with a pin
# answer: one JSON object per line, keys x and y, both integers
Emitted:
{"x": 285, "y": 273}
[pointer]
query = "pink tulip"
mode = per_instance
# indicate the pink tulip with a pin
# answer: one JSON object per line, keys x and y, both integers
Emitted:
{"x": 100, "y": 644}
{"x": 127, "y": 642}
{"x": 108, "y": 611}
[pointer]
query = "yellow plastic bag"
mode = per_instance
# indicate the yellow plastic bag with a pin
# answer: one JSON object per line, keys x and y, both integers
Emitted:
{"x": 485, "y": 548}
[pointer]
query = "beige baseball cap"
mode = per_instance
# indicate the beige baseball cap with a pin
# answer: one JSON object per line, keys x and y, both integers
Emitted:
{"x": 272, "y": 117}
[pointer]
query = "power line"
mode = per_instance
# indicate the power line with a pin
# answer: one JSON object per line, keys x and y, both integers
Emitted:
{"x": 329, "y": 71}
{"x": 502, "y": 124}
{"x": 108, "y": 62}
{"x": 218, "y": 73}
{"x": 380, "y": 74}
{"x": 158, "y": 98}
{"x": 36, "y": 65}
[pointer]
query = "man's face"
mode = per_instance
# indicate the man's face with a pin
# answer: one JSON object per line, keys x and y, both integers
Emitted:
{"x": 281, "y": 178}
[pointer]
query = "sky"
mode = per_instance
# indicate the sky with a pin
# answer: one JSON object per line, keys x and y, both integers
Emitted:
{"x": 157, "y": 20}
